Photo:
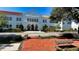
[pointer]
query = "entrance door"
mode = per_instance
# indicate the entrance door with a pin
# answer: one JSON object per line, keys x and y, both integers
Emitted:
{"x": 32, "y": 27}
{"x": 28, "y": 27}
{"x": 36, "y": 27}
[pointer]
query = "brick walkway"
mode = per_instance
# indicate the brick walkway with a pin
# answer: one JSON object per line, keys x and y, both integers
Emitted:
{"x": 38, "y": 45}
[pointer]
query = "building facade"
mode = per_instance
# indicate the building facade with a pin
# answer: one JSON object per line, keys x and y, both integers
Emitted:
{"x": 27, "y": 21}
{"x": 34, "y": 22}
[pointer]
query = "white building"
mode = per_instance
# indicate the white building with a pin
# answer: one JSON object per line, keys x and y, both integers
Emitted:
{"x": 27, "y": 20}
{"x": 31, "y": 21}
{"x": 68, "y": 24}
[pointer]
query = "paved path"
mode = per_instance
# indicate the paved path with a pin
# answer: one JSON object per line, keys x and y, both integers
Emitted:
{"x": 35, "y": 33}
{"x": 15, "y": 46}
{"x": 9, "y": 47}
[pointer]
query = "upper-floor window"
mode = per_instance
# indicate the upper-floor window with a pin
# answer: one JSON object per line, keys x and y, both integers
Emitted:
{"x": 27, "y": 19}
{"x": 18, "y": 19}
{"x": 36, "y": 20}
{"x": 32, "y": 20}
{"x": 10, "y": 25}
{"x": 10, "y": 18}
{"x": 3, "y": 17}
{"x": 44, "y": 21}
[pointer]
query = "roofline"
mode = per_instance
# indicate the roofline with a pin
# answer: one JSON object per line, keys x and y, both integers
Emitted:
{"x": 10, "y": 12}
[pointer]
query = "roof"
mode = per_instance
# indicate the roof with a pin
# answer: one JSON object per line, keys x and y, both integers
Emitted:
{"x": 46, "y": 17}
{"x": 10, "y": 13}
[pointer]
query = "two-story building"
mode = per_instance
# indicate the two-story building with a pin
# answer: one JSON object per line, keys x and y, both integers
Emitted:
{"x": 28, "y": 21}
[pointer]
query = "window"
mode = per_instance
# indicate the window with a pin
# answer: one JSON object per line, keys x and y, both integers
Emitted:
{"x": 7, "y": 26}
{"x": 10, "y": 25}
{"x": 36, "y": 20}
{"x": 18, "y": 19}
{"x": 27, "y": 19}
{"x": 17, "y": 26}
{"x": 32, "y": 20}
{"x": 10, "y": 18}
{"x": 44, "y": 21}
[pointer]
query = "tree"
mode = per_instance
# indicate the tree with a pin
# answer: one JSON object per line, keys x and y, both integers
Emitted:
{"x": 3, "y": 20}
{"x": 65, "y": 13}
{"x": 45, "y": 27}
{"x": 21, "y": 27}
{"x": 76, "y": 13}
{"x": 59, "y": 13}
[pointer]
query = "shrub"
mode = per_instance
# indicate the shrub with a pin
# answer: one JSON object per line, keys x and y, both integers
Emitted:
{"x": 64, "y": 42}
{"x": 10, "y": 39}
{"x": 18, "y": 38}
{"x": 71, "y": 49}
{"x": 68, "y": 30}
{"x": 53, "y": 29}
{"x": 45, "y": 28}
{"x": 67, "y": 35}
{"x": 4, "y": 39}
{"x": 16, "y": 30}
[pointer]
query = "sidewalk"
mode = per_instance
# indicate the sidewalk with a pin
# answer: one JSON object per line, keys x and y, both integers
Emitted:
{"x": 9, "y": 47}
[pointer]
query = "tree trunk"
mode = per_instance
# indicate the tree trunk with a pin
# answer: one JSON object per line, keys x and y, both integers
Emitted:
{"x": 61, "y": 25}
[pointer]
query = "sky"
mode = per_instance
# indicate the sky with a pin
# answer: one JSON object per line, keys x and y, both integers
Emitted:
{"x": 38, "y": 10}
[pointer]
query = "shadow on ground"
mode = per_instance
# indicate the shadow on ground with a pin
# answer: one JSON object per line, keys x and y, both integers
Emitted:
{"x": 2, "y": 46}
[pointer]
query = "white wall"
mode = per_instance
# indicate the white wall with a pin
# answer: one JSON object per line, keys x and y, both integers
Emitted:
{"x": 74, "y": 25}
{"x": 14, "y": 22}
{"x": 39, "y": 23}
{"x": 24, "y": 21}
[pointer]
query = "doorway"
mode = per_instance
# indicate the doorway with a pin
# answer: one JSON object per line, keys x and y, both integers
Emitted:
{"x": 32, "y": 27}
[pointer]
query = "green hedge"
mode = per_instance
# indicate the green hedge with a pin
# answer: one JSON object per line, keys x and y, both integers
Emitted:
{"x": 16, "y": 30}
{"x": 13, "y": 30}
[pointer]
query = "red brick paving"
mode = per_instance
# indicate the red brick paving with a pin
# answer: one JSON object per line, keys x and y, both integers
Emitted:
{"x": 42, "y": 44}
{"x": 38, "y": 45}
{"x": 76, "y": 43}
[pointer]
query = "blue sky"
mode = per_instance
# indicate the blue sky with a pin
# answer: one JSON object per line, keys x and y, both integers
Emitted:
{"x": 38, "y": 10}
